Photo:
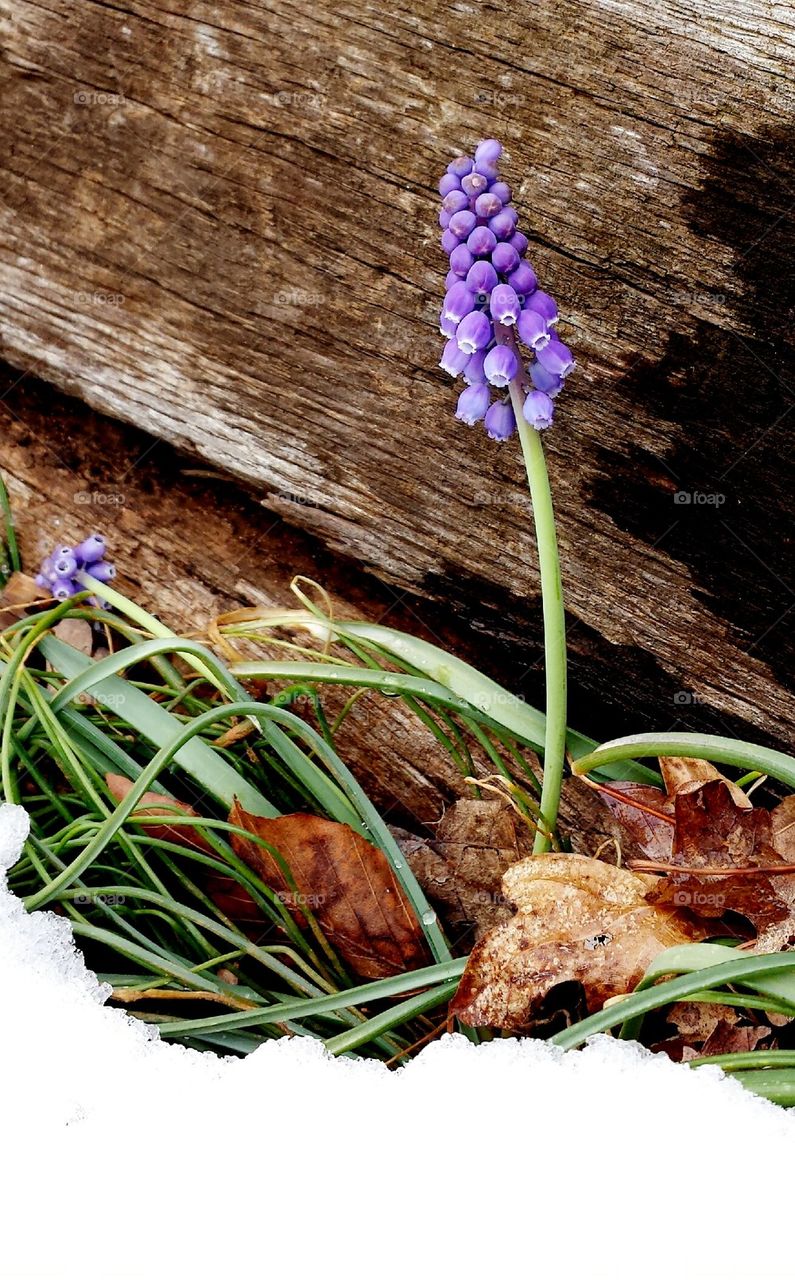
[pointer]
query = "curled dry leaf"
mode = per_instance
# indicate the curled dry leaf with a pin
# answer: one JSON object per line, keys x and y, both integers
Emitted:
{"x": 346, "y": 883}
{"x": 577, "y": 919}
{"x": 461, "y": 869}
{"x": 154, "y": 805}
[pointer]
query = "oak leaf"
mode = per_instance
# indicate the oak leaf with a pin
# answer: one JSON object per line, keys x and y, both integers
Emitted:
{"x": 577, "y": 919}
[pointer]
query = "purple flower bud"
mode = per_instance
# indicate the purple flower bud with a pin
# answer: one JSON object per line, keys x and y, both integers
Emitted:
{"x": 461, "y": 166}
{"x": 544, "y": 305}
{"x": 449, "y": 183}
{"x": 103, "y": 571}
{"x": 461, "y": 260}
{"x": 505, "y": 259}
{"x": 447, "y": 326}
{"x": 473, "y": 403}
{"x": 523, "y": 279}
{"x": 504, "y": 222}
{"x": 474, "y": 332}
{"x": 519, "y": 242}
{"x": 532, "y": 329}
{"x": 63, "y": 589}
{"x": 473, "y": 371}
{"x": 42, "y": 582}
{"x": 462, "y": 223}
{"x": 504, "y": 304}
{"x": 502, "y": 191}
{"x": 487, "y": 170}
{"x": 487, "y": 205}
{"x": 453, "y": 360}
{"x": 481, "y": 277}
{"x": 450, "y": 241}
{"x": 474, "y": 184}
{"x": 539, "y": 410}
{"x": 500, "y": 422}
{"x": 450, "y": 279}
{"x": 455, "y": 201}
{"x": 444, "y": 219}
{"x": 64, "y": 565}
{"x": 489, "y": 150}
{"x": 556, "y": 358}
{"x": 543, "y": 380}
{"x": 91, "y": 549}
{"x": 500, "y": 366}
{"x": 458, "y": 302}
{"x": 481, "y": 241}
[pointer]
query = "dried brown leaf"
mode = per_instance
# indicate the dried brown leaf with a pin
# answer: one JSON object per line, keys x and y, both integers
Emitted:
{"x": 577, "y": 919}
{"x": 152, "y": 804}
{"x": 461, "y": 869}
{"x": 346, "y": 883}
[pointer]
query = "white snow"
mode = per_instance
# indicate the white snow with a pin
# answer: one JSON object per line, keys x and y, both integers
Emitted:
{"x": 121, "y": 1156}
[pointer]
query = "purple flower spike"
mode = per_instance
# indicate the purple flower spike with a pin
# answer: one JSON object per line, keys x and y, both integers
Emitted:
{"x": 462, "y": 223}
{"x": 489, "y": 150}
{"x": 481, "y": 241}
{"x": 505, "y": 304}
{"x": 487, "y": 205}
{"x": 474, "y": 368}
{"x": 543, "y": 380}
{"x": 481, "y": 278}
{"x": 490, "y": 284}
{"x": 556, "y": 358}
{"x": 461, "y": 166}
{"x": 500, "y": 366}
{"x": 546, "y": 306}
{"x": 453, "y": 360}
{"x": 474, "y": 332}
{"x": 500, "y": 423}
{"x": 91, "y": 550}
{"x": 458, "y": 302}
{"x": 532, "y": 329}
{"x": 473, "y": 403}
{"x": 474, "y": 184}
{"x": 64, "y": 564}
{"x": 505, "y": 258}
{"x": 449, "y": 183}
{"x": 539, "y": 410}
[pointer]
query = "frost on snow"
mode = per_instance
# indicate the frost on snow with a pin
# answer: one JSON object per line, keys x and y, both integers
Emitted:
{"x": 124, "y": 1156}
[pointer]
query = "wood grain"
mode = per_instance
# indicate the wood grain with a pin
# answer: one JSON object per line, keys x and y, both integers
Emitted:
{"x": 218, "y": 223}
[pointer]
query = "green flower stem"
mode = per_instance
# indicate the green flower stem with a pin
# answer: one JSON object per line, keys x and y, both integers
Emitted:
{"x": 554, "y": 621}
{"x": 701, "y": 746}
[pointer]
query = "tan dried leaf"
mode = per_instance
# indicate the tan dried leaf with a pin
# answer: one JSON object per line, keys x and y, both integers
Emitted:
{"x": 577, "y": 919}
{"x": 153, "y": 804}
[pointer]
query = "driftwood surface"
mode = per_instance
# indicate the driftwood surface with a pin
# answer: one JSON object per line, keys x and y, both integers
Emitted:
{"x": 218, "y": 223}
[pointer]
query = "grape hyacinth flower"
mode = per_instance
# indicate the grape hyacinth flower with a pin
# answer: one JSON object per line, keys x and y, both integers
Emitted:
{"x": 58, "y": 573}
{"x": 493, "y": 302}
{"x": 492, "y": 305}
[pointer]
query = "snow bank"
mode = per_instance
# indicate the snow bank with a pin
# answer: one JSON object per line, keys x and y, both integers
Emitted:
{"x": 122, "y": 1156}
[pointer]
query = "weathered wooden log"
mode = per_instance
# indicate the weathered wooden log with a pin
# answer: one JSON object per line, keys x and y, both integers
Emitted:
{"x": 218, "y": 223}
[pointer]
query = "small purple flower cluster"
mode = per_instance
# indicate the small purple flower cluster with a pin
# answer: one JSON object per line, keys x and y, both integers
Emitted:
{"x": 58, "y": 574}
{"x": 493, "y": 297}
